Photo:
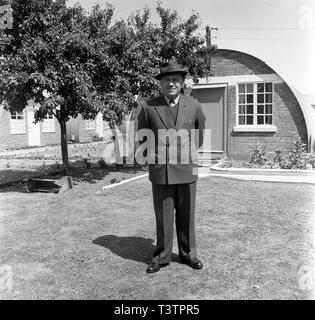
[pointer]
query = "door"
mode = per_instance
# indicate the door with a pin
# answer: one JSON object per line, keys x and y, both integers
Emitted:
{"x": 99, "y": 127}
{"x": 212, "y": 102}
{"x": 33, "y": 130}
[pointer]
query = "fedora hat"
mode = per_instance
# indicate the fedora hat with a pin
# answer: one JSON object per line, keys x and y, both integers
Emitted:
{"x": 170, "y": 67}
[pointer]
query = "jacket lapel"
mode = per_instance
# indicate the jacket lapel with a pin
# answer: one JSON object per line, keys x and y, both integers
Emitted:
{"x": 182, "y": 113}
{"x": 163, "y": 114}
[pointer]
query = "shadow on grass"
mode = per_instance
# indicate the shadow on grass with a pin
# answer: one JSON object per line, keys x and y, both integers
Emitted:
{"x": 80, "y": 172}
{"x": 131, "y": 248}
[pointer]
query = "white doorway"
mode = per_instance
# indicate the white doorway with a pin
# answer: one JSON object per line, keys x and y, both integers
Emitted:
{"x": 33, "y": 130}
{"x": 99, "y": 127}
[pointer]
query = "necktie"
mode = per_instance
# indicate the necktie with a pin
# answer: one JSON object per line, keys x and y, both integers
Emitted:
{"x": 172, "y": 102}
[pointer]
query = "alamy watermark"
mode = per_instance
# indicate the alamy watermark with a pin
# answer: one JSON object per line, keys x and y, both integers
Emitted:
{"x": 159, "y": 146}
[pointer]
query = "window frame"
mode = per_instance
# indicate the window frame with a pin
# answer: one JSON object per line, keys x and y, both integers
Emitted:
{"x": 15, "y": 121}
{"x": 255, "y": 126}
{"x": 272, "y": 104}
{"x": 46, "y": 127}
{"x": 245, "y": 104}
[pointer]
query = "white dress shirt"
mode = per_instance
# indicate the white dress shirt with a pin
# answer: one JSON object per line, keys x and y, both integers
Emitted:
{"x": 175, "y": 101}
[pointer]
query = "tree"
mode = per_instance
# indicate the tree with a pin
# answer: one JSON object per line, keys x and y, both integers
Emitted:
{"x": 51, "y": 56}
{"x": 72, "y": 62}
{"x": 144, "y": 45}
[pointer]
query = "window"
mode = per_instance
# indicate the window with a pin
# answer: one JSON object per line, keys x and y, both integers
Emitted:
{"x": 264, "y": 103}
{"x": 246, "y": 104}
{"x": 255, "y": 104}
{"x": 48, "y": 123}
{"x": 89, "y": 124}
{"x": 17, "y": 122}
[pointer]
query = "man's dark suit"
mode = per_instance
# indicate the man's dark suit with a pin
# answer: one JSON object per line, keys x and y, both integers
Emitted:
{"x": 173, "y": 184}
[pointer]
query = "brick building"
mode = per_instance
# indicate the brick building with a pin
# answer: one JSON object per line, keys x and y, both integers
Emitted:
{"x": 248, "y": 103}
{"x": 18, "y": 130}
{"x": 80, "y": 130}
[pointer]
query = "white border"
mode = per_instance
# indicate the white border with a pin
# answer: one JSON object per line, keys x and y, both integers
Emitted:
{"x": 217, "y": 167}
{"x": 124, "y": 181}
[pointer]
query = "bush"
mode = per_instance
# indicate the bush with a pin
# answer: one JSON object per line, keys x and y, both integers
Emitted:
{"x": 298, "y": 158}
{"x": 281, "y": 160}
{"x": 87, "y": 162}
{"x": 102, "y": 164}
{"x": 311, "y": 160}
{"x": 257, "y": 158}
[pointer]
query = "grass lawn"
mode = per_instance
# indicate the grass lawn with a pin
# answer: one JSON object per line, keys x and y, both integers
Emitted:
{"x": 252, "y": 238}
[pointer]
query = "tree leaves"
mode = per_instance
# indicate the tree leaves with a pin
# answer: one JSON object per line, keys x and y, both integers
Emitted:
{"x": 87, "y": 63}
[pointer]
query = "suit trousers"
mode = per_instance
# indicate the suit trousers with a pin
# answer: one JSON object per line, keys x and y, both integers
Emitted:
{"x": 180, "y": 198}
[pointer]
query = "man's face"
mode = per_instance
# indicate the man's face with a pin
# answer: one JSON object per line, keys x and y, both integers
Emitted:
{"x": 171, "y": 84}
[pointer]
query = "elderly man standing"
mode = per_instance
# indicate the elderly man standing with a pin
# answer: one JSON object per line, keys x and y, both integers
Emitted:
{"x": 173, "y": 180}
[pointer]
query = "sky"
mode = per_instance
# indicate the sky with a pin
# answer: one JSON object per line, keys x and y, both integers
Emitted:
{"x": 279, "y": 32}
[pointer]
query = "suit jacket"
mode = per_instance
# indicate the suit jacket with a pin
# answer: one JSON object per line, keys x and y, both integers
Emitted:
{"x": 172, "y": 159}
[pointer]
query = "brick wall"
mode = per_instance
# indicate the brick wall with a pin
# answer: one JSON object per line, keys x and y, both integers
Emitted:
{"x": 8, "y": 140}
{"x": 48, "y": 138}
{"x": 288, "y": 116}
{"x": 17, "y": 141}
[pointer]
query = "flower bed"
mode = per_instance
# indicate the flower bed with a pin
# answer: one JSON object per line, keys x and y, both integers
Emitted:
{"x": 296, "y": 159}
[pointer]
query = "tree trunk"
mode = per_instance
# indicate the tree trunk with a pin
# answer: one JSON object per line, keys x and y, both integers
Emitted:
{"x": 64, "y": 145}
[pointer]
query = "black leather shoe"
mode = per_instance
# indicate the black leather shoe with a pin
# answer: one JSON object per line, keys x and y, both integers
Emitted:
{"x": 155, "y": 267}
{"x": 194, "y": 263}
